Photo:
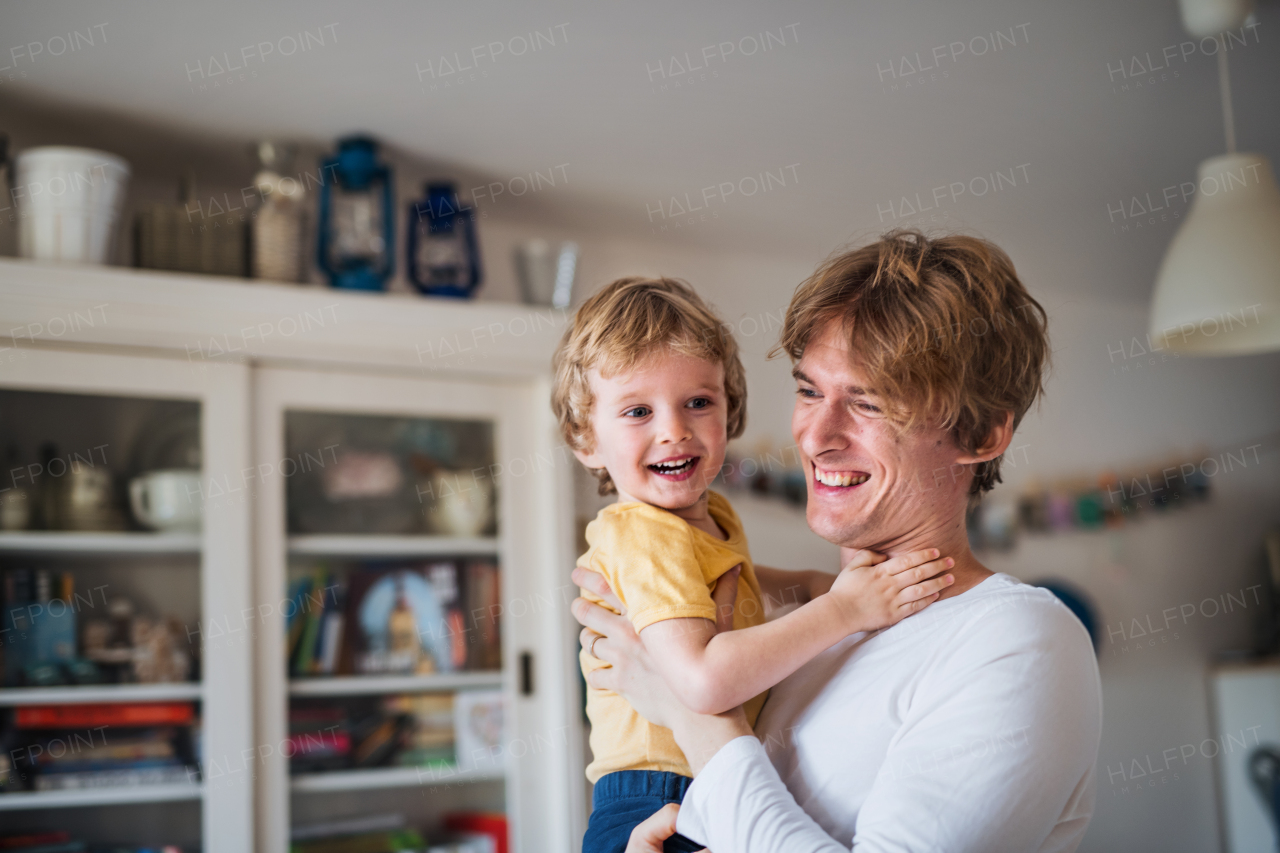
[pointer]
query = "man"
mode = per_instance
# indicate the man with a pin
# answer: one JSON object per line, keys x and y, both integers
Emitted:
{"x": 972, "y": 726}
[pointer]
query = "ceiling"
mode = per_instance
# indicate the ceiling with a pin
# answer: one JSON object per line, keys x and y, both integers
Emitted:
{"x": 640, "y": 110}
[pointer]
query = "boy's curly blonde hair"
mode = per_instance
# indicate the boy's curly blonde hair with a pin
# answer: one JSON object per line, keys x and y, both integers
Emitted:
{"x": 621, "y": 325}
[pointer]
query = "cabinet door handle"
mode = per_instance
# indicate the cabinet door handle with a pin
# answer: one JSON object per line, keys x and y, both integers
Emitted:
{"x": 526, "y": 673}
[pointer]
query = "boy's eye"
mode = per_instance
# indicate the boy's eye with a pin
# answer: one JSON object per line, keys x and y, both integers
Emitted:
{"x": 699, "y": 403}
{"x": 868, "y": 408}
{"x": 637, "y": 412}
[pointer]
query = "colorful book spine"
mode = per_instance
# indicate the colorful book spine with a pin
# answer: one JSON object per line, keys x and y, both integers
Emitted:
{"x": 121, "y": 714}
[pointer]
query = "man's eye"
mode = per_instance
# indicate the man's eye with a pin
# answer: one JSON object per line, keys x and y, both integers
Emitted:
{"x": 637, "y": 412}
{"x": 699, "y": 403}
{"x": 806, "y": 392}
{"x": 868, "y": 408}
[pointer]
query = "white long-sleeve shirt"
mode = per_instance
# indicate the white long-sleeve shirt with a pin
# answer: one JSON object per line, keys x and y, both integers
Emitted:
{"x": 971, "y": 726}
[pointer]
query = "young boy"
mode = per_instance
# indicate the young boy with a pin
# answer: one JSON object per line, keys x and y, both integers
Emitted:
{"x": 648, "y": 391}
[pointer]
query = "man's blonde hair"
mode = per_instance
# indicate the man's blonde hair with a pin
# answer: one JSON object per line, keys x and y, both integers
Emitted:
{"x": 619, "y": 327}
{"x": 945, "y": 330}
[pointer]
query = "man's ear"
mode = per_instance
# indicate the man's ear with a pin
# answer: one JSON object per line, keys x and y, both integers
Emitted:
{"x": 996, "y": 442}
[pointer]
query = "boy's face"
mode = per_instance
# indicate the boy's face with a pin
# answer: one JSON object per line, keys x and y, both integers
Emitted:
{"x": 660, "y": 430}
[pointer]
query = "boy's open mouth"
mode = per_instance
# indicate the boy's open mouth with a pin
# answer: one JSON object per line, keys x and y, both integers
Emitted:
{"x": 676, "y": 468}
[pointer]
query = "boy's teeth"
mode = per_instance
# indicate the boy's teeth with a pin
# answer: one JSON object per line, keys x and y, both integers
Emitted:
{"x": 832, "y": 478}
{"x": 673, "y": 466}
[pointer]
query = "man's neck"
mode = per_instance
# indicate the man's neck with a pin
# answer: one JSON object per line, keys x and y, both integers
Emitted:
{"x": 950, "y": 539}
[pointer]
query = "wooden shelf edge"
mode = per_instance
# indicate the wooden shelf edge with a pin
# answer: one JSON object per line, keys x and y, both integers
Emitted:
{"x": 123, "y": 795}
{"x": 371, "y": 545}
{"x": 87, "y": 542}
{"x": 389, "y": 777}
{"x": 100, "y": 693}
{"x": 361, "y": 685}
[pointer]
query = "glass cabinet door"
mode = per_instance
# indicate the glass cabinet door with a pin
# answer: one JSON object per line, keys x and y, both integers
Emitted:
{"x": 399, "y": 523}
{"x": 124, "y": 568}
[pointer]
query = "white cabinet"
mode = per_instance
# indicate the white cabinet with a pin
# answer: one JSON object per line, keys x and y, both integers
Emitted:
{"x": 481, "y": 442}
{"x": 50, "y": 395}
{"x": 462, "y": 388}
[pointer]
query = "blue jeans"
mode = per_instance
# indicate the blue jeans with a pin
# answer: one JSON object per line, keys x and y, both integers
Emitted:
{"x": 621, "y": 800}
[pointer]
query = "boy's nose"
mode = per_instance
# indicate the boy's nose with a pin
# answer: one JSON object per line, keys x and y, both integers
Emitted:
{"x": 674, "y": 429}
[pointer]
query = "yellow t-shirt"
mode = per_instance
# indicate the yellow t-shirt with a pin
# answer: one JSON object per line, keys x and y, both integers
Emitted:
{"x": 660, "y": 567}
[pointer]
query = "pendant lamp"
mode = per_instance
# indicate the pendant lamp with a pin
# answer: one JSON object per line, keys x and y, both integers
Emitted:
{"x": 1218, "y": 289}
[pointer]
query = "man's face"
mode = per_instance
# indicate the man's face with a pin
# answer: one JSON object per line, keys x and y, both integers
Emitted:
{"x": 870, "y": 485}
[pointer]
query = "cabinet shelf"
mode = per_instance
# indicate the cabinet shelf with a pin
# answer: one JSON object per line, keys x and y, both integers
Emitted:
{"x": 364, "y": 685}
{"x": 99, "y": 693}
{"x": 389, "y": 777}
{"x": 92, "y": 544}
{"x": 365, "y": 545}
{"x": 123, "y": 795}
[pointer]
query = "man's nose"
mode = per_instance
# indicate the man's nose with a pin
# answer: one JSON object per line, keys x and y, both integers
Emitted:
{"x": 824, "y": 427}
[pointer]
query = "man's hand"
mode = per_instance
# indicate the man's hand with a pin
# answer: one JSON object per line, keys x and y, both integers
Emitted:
{"x": 648, "y": 836}
{"x": 631, "y": 673}
{"x": 874, "y": 592}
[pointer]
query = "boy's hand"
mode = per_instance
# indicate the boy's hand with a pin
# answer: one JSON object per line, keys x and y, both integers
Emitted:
{"x": 874, "y": 592}
{"x": 820, "y": 583}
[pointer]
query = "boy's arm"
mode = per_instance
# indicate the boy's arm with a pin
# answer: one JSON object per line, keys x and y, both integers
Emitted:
{"x": 711, "y": 673}
{"x": 785, "y": 586}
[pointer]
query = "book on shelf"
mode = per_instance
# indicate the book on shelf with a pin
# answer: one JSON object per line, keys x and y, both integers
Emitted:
{"x": 416, "y": 618}
{"x": 491, "y": 827}
{"x": 398, "y": 618}
{"x": 346, "y": 826}
{"x": 429, "y": 738}
{"x": 120, "y": 778}
{"x": 105, "y": 714}
{"x": 39, "y": 626}
{"x": 320, "y": 738}
{"x": 406, "y": 840}
{"x": 382, "y": 832}
{"x": 315, "y": 627}
{"x": 57, "y": 841}
{"x": 484, "y": 609}
{"x": 29, "y": 840}
{"x": 103, "y": 749}
{"x": 479, "y": 724}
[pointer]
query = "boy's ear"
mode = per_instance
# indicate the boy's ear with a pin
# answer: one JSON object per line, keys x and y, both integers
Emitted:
{"x": 590, "y": 458}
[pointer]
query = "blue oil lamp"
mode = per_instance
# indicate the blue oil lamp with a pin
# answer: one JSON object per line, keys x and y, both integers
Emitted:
{"x": 444, "y": 257}
{"x": 357, "y": 218}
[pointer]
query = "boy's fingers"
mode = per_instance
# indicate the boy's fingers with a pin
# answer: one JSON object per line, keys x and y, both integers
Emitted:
{"x": 595, "y": 582}
{"x": 910, "y": 560}
{"x": 862, "y": 558}
{"x": 725, "y": 597}
{"x": 906, "y": 609}
{"x": 925, "y": 588}
{"x": 923, "y": 572}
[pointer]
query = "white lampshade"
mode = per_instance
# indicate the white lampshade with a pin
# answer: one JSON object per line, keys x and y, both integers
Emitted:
{"x": 1204, "y": 18}
{"x": 1218, "y": 291}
